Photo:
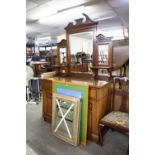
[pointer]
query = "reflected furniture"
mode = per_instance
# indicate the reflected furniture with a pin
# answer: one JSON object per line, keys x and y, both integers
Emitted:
{"x": 37, "y": 67}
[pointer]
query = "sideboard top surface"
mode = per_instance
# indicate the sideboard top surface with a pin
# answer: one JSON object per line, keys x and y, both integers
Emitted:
{"x": 80, "y": 81}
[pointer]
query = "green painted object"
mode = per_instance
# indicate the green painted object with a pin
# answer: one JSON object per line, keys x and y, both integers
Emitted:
{"x": 83, "y": 89}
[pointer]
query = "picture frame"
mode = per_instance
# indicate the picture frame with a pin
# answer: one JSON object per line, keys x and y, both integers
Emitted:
{"x": 77, "y": 90}
{"x": 66, "y": 118}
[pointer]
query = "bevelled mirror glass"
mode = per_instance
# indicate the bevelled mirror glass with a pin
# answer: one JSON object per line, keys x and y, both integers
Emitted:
{"x": 81, "y": 51}
{"x": 103, "y": 54}
{"x": 62, "y": 55}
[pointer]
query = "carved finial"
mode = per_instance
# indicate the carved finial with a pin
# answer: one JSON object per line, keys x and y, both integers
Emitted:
{"x": 88, "y": 20}
{"x": 80, "y": 22}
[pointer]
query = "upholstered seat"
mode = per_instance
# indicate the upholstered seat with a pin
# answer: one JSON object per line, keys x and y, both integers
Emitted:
{"x": 117, "y": 119}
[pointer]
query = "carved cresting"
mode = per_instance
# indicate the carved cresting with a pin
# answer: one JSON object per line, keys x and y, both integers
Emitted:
{"x": 101, "y": 39}
{"x": 80, "y": 21}
{"x": 62, "y": 43}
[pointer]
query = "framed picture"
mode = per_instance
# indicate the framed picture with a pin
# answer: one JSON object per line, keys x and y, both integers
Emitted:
{"x": 66, "y": 118}
{"x": 77, "y": 90}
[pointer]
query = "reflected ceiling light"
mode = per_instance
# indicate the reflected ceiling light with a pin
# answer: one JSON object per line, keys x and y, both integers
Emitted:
{"x": 62, "y": 16}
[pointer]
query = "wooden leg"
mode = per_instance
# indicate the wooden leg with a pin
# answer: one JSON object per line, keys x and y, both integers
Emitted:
{"x": 102, "y": 131}
{"x": 128, "y": 150}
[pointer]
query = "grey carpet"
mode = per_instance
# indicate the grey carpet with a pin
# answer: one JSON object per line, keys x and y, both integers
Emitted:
{"x": 40, "y": 139}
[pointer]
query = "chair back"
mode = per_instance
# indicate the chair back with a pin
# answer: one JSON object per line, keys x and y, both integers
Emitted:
{"x": 119, "y": 94}
{"x": 35, "y": 85}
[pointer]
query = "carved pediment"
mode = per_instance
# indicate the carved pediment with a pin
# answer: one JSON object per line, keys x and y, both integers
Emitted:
{"x": 62, "y": 43}
{"x": 101, "y": 39}
{"x": 80, "y": 22}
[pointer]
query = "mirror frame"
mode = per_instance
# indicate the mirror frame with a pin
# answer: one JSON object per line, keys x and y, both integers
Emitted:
{"x": 81, "y": 25}
{"x": 102, "y": 40}
{"x": 62, "y": 44}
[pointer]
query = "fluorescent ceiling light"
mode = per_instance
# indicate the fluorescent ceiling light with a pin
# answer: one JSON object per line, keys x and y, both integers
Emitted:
{"x": 51, "y": 8}
{"x": 40, "y": 13}
{"x": 63, "y": 16}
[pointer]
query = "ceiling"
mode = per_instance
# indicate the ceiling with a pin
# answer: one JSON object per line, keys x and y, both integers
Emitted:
{"x": 49, "y": 17}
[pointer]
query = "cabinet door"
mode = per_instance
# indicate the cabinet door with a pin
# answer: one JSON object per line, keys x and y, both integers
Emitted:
{"x": 47, "y": 104}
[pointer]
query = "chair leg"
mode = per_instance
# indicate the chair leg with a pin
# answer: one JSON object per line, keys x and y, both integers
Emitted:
{"x": 102, "y": 131}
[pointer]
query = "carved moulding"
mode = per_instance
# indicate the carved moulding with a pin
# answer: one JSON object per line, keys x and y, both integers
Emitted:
{"x": 101, "y": 39}
{"x": 80, "y": 22}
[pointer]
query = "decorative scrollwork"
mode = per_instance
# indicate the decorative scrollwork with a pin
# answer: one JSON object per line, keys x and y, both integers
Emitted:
{"x": 101, "y": 39}
{"x": 80, "y": 22}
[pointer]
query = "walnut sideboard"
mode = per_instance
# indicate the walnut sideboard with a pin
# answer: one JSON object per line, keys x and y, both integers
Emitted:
{"x": 97, "y": 102}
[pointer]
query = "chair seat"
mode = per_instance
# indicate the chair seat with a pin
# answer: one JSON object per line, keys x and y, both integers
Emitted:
{"x": 116, "y": 119}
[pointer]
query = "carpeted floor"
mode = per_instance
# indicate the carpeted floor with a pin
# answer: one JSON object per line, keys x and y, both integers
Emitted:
{"x": 41, "y": 141}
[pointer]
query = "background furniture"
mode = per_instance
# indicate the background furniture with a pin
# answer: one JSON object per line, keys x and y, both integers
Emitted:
{"x": 118, "y": 118}
{"x": 37, "y": 66}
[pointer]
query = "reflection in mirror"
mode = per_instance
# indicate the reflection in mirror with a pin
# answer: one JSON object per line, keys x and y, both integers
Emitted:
{"x": 103, "y": 54}
{"x": 102, "y": 72}
{"x": 81, "y": 49}
{"x": 62, "y": 55}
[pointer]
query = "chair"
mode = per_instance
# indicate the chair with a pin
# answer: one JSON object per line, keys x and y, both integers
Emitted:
{"x": 29, "y": 76}
{"x": 118, "y": 118}
{"x": 35, "y": 90}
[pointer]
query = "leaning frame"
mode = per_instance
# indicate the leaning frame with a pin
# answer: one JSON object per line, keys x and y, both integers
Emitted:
{"x": 73, "y": 136}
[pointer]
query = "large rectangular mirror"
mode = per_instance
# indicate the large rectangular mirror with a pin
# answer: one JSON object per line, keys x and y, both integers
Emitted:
{"x": 81, "y": 51}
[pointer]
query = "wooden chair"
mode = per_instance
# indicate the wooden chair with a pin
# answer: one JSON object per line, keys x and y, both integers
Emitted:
{"x": 118, "y": 118}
